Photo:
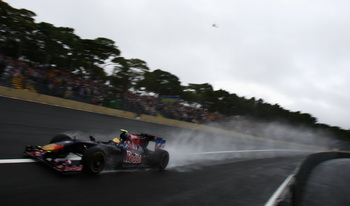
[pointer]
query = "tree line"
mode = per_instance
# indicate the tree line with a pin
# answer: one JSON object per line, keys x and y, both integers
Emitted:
{"x": 60, "y": 48}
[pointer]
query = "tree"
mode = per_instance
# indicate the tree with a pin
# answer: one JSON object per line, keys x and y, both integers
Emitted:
{"x": 17, "y": 26}
{"x": 161, "y": 82}
{"x": 200, "y": 93}
{"x": 223, "y": 102}
{"x": 128, "y": 72}
{"x": 53, "y": 46}
{"x": 92, "y": 54}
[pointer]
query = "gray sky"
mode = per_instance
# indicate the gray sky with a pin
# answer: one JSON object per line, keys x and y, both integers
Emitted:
{"x": 295, "y": 53}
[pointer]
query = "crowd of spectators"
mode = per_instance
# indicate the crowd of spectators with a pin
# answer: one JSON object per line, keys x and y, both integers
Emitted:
{"x": 58, "y": 83}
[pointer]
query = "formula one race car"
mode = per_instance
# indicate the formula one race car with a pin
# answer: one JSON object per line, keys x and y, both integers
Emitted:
{"x": 128, "y": 151}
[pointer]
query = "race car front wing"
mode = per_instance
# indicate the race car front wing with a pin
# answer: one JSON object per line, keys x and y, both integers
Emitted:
{"x": 60, "y": 165}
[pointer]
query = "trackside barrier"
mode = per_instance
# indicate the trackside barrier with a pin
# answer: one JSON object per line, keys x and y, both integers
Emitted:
{"x": 45, "y": 99}
{"x": 291, "y": 191}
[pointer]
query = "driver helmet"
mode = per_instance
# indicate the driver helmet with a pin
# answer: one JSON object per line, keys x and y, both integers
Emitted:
{"x": 124, "y": 135}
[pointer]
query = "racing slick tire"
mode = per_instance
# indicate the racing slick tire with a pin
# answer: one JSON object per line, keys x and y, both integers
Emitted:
{"x": 160, "y": 159}
{"x": 93, "y": 160}
{"x": 60, "y": 138}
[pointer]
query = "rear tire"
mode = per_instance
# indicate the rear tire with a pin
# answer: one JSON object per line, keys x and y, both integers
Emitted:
{"x": 93, "y": 160}
{"x": 160, "y": 159}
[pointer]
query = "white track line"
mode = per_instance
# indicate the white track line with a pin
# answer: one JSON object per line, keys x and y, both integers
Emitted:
{"x": 13, "y": 161}
{"x": 247, "y": 151}
{"x": 18, "y": 161}
{"x": 274, "y": 198}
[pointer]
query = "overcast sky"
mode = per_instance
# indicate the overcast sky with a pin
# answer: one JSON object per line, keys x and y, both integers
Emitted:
{"x": 295, "y": 53}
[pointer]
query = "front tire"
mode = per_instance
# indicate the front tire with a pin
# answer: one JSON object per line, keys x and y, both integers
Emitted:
{"x": 160, "y": 159}
{"x": 94, "y": 160}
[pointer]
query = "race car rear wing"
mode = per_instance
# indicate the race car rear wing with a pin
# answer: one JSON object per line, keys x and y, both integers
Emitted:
{"x": 160, "y": 142}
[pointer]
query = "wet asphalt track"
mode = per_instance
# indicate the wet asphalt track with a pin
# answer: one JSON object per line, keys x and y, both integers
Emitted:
{"x": 245, "y": 181}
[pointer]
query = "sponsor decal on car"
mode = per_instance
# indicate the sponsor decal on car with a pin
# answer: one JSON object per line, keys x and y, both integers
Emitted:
{"x": 132, "y": 157}
{"x": 37, "y": 153}
{"x": 68, "y": 168}
{"x": 50, "y": 147}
